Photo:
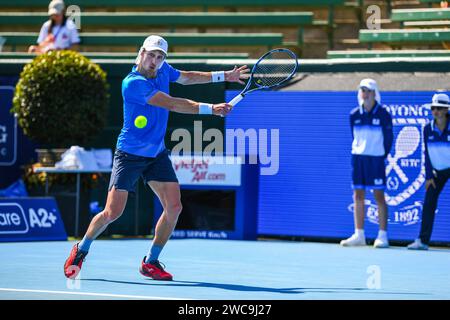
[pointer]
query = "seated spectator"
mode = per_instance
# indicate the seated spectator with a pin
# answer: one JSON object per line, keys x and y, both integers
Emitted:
{"x": 58, "y": 33}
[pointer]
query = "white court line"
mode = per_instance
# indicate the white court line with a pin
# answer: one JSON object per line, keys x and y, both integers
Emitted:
{"x": 92, "y": 294}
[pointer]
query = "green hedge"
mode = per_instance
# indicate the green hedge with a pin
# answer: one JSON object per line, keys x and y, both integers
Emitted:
{"x": 61, "y": 99}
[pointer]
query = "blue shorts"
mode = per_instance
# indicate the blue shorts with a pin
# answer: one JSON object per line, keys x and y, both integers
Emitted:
{"x": 368, "y": 172}
{"x": 127, "y": 168}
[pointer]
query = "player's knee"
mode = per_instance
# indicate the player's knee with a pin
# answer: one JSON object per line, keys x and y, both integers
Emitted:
{"x": 174, "y": 209}
{"x": 111, "y": 216}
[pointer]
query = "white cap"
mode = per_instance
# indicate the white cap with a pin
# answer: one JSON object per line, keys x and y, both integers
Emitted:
{"x": 439, "y": 100}
{"x": 155, "y": 43}
{"x": 371, "y": 85}
{"x": 56, "y": 7}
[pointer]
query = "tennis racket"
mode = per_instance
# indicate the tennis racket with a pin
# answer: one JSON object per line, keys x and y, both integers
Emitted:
{"x": 271, "y": 70}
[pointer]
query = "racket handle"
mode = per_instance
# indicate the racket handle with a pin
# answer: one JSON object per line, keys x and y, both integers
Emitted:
{"x": 236, "y": 100}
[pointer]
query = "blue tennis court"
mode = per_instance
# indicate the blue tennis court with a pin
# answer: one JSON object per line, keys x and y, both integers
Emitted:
{"x": 226, "y": 270}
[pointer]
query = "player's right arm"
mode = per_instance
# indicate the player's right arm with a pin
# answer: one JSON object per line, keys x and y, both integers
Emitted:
{"x": 142, "y": 92}
{"x": 181, "y": 105}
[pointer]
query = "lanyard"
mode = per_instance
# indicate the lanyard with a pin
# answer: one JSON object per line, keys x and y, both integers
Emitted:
{"x": 60, "y": 28}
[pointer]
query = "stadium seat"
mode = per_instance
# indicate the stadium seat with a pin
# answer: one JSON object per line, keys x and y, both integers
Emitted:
{"x": 134, "y": 39}
{"x": 357, "y": 54}
{"x": 132, "y": 55}
{"x": 427, "y": 24}
{"x": 267, "y": 7}
{"x": 171, "y": 19}
{"x": 427, "y": 14}
{"x": 404, "y": 36}
{"x": 178, "y": 3}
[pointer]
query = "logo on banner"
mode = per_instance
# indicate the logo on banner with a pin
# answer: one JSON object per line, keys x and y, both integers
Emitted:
{"x": 405, "y": 169}
{"x": 406, "y": 216}
{"x": 23, "y": 219}
{"x": 12, "y": 219}
{"x": 202, "y": 170}
{"x": 8, "y": 128}
{"x": 201, "y": 234}
{"x": 199, "y": 168}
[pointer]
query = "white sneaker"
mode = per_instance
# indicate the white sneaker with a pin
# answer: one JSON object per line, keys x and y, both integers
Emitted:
{"x": 417, "y": 245}
{"x": 354, "y": 241}
{"x": 381, "y": 243}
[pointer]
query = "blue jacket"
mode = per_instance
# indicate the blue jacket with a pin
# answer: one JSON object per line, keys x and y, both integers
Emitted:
{"x": 371, "y": 131}
{"x": 437, "y": 148}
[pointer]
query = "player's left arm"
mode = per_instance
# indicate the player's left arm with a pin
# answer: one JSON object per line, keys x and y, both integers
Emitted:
{"x": 388, "y": 133}
{"x": 199, "y": 77}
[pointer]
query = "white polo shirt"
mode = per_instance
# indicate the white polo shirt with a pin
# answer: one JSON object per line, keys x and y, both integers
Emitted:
{"x": 66, "y": 35}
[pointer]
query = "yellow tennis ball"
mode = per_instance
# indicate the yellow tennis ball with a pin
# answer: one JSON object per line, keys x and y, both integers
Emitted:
{"x": 140, "y": 122}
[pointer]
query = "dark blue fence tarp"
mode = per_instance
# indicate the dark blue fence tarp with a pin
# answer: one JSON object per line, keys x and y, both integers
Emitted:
{"x": 16, "y": 150}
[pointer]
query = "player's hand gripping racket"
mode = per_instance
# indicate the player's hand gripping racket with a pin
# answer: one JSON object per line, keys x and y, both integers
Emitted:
{"x": 271, "y": 70}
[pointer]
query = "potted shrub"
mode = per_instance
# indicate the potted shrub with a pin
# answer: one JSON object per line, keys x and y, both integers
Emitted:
{"x": 61, "y": 100}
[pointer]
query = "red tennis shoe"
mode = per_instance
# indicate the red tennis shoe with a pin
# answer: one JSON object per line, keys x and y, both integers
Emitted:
{"x": 73, "y": 264}
{"x": 154, "y": 270}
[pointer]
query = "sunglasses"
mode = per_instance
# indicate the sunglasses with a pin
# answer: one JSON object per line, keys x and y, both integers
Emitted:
{"x": 439, "y": 108}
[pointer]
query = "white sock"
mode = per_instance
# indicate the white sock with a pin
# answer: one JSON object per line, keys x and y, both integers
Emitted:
{"x": 359, "y": 232}
{"x": 382, "y": 234}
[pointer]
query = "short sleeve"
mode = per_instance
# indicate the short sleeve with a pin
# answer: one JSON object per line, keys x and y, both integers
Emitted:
{"x": 43, "y": 33}
{"x": 174, "y": 74}
{"x": 74, "y": 37}
{"x": 138, "y": 91}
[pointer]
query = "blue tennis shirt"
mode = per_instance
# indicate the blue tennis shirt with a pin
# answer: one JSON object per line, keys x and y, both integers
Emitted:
{"x": 136, "y": 90}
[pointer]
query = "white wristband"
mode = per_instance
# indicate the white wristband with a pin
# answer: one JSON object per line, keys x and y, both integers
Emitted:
{"x": 218, "y": 76}
{"x": 205, "y": 108}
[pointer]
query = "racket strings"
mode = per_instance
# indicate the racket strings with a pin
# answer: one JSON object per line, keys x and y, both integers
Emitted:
{"x": 274, "y": 69}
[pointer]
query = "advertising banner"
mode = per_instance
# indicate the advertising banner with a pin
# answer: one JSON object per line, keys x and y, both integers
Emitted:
{"x": 311, "y": 195}
{"x": 30, "y": 219}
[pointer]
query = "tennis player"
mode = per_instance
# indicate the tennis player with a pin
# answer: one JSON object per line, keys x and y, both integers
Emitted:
{"x": 140, "y": 150}
{"x": 436, "y": 136}
{"x": 372, "y": 133}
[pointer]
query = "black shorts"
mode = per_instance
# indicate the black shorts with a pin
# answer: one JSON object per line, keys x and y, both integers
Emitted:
{"x": 127, "y": 168}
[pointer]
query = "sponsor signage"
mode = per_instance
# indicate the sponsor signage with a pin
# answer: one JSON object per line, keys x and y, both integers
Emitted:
{"x": 29, "y": 219}
{"x": 311, "y": 195}
{"x": 208, "y": 170}
{"x": 8, "y": 128}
